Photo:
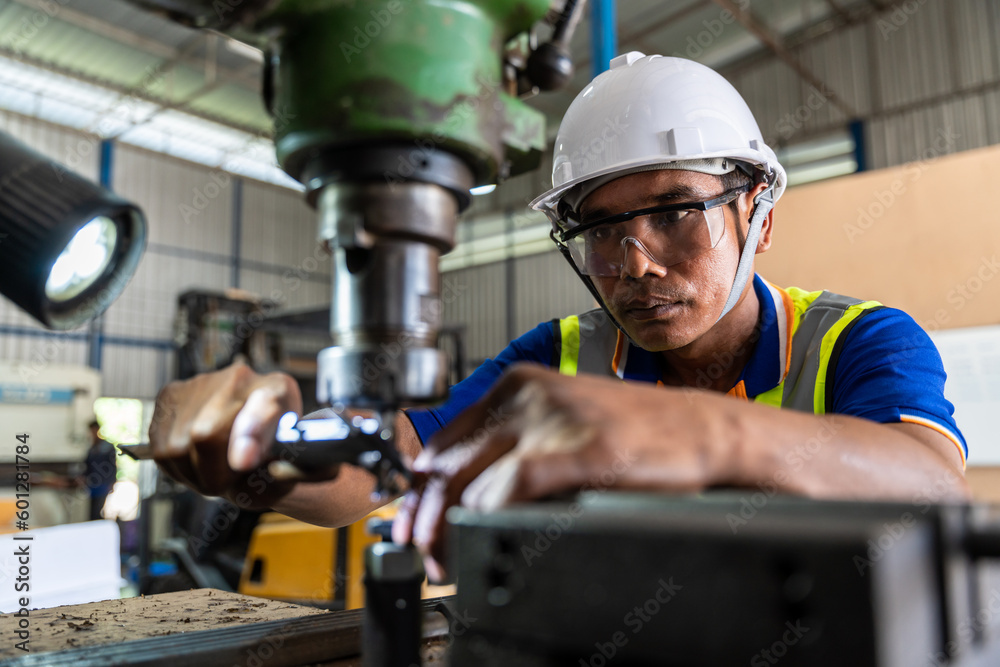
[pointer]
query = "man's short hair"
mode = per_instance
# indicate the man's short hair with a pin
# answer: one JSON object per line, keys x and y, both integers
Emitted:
{"x": 731, "y": 180}
{"x": 735, "y": 179}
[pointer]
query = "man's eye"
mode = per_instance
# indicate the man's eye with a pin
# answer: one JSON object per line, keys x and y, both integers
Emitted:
{"x": 599, "y": 233}
{"x": 671, "y": 217}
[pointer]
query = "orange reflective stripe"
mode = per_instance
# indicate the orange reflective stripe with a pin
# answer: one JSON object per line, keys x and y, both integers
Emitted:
{"x": 739, "y": 391}
{"x": 619, "y": 347}
{"x": 940, "y": 429}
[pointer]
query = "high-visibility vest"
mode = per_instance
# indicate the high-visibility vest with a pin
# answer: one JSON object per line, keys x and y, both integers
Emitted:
{"x": 819, "y": 323}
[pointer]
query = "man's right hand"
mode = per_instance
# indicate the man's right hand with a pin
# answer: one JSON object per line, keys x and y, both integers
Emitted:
{"x": 213, "y": 431}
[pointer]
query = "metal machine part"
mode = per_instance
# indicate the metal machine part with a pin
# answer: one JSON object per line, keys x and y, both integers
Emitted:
{"x": 550, "y": 66}
{"x": 391, "y": 630}
{"x": 386, "y": 310}
{"x": 727, "y": 579}
{"x": 316, "y": 445}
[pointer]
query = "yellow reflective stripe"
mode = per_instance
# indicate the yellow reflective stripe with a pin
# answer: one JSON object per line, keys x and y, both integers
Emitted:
{"x": 569, "y": 333}
{"x": 801, "y": 300}
{"x": 771, "y": 397}
{"x": 826, "y": 350}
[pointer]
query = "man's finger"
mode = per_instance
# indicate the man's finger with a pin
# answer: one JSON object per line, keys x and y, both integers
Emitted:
{"x": 254, "y": 428}
{"x": 402, "y": 523}
{"x": 444, "y": 491}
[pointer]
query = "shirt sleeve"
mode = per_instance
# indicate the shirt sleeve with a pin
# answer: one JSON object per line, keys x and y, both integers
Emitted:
{"x": 889, "y": 371}
{"x": 535, "y": 346}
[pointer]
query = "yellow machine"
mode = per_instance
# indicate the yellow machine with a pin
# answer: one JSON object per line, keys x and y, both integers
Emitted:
{"x": 291, "y": 560}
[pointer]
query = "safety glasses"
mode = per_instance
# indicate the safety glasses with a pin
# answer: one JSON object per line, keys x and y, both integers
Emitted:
{"x": 668, "y": 234}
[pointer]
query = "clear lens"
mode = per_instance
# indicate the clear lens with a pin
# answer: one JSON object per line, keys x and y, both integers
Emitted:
{"x": 83, "y": 260}
{"x": 668, "y": 238}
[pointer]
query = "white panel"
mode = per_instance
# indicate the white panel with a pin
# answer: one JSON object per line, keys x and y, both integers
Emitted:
{"x": 278, "y": 227}
{"x": 187, "y": 205}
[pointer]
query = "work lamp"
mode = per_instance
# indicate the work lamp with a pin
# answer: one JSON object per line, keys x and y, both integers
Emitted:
{"x": 68, "y": 247}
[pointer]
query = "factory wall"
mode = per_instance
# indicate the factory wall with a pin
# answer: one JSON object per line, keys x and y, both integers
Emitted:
{"x": 208, "y": 230}
{"x": 498, "y": 302}
{"x": 917, "y": 76}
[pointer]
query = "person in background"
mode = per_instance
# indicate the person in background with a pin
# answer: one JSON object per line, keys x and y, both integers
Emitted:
{"x": 101, "y": 470}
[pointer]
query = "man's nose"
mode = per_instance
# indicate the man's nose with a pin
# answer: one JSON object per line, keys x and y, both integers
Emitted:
{"x": 637, "y": 262}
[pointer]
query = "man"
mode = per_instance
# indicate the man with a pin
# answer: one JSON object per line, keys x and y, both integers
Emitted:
{"x": 663, "y": 189}
{"x": 100, "y": 470}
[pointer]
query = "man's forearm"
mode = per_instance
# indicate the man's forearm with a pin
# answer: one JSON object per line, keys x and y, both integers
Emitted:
{"x": 836, "y": 456}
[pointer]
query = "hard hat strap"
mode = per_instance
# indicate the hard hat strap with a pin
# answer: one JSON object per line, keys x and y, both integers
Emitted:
{"x": 763, "y": 204}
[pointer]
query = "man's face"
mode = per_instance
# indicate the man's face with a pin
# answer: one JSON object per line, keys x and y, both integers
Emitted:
{"x": 666, "y": 308}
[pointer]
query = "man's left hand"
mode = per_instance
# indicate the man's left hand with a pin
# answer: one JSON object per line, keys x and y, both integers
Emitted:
{"x": 538, "y": 433}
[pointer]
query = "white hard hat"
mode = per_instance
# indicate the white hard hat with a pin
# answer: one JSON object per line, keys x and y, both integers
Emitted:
{"x": 652, "y": 112}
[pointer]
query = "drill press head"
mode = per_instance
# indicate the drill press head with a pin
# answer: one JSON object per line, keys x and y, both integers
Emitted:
{"x": 394, "y": 112}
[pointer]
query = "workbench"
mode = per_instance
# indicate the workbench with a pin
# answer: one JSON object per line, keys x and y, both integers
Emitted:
{"x": 200, "y": 627}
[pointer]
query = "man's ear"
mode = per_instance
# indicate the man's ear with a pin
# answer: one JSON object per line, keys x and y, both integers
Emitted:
{"x": 764, "y": 241}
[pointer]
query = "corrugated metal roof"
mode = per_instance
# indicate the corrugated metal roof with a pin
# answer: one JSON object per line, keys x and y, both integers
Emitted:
{"x": 158, "y": 84}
